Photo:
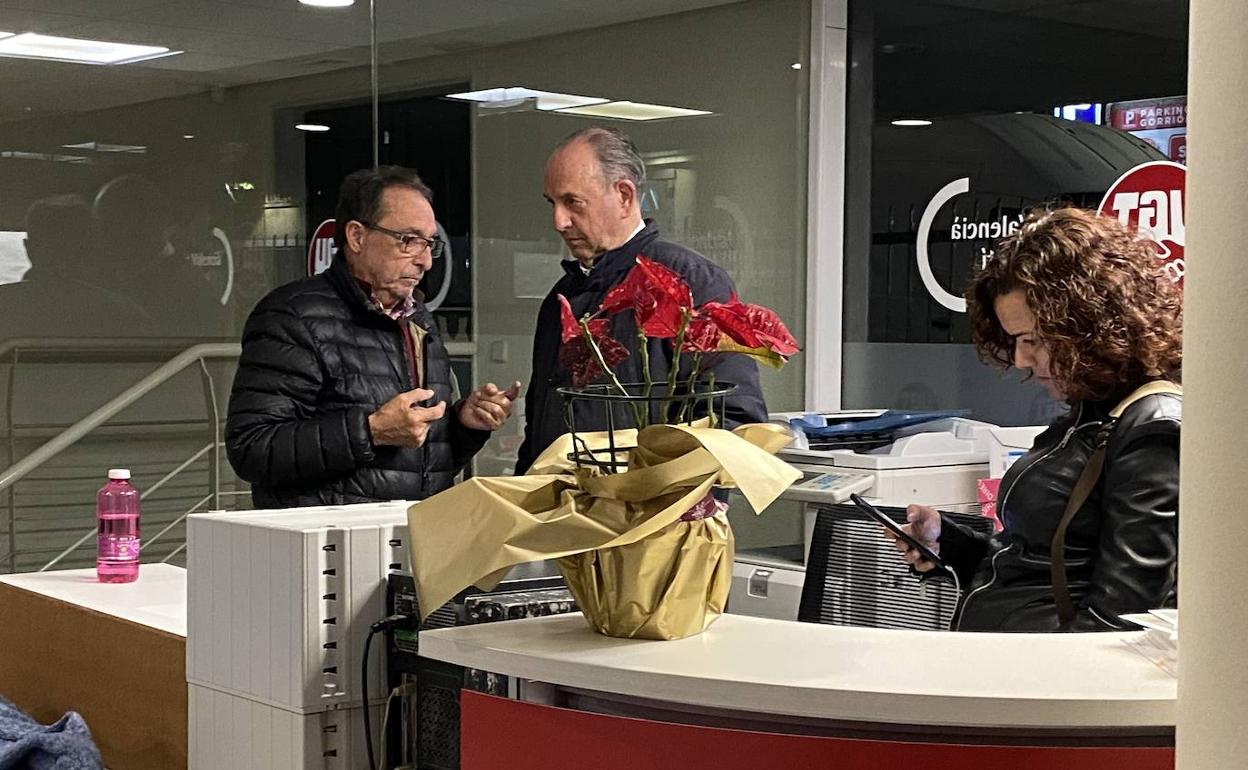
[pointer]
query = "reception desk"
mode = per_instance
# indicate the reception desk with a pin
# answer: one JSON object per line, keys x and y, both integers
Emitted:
{"x": 753, "y": 692}
{"x": 114, "y": 652}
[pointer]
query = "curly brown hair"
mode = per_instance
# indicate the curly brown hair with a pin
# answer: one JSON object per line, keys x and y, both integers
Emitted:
{"x": 1108, "y": 314}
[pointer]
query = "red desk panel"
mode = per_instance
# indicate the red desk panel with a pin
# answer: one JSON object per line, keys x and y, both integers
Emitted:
{"x": 503, "y": 734}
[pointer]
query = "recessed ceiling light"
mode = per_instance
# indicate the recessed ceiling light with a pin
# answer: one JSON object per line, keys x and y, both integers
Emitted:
{"x": 797, "y": 65}
{"x": 21, "y": 155}
{"x": 327, "y": 3}
{"x": 133, "y": 149}
{"x": 188, "y": 136}
{"x": 514, "y": 95}
{"x": 911, "y": 122}
{"x": 30, "y": 45}
{"x": 313, "y": 127}
{"x": 633, "y": 111}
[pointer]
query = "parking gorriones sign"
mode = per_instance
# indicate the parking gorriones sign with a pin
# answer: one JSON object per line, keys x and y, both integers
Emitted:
{"x": 1150, "y": 199}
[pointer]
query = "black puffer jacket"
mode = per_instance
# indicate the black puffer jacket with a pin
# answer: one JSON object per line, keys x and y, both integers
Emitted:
{"x": 317, "y": 361}
{"x": 543, "y": 406}
{"x": 1121, "y": 547}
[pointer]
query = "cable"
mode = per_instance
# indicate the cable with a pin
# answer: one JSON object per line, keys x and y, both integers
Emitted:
{"x": 402, "y": 691}
{"x": 384, "y": 624}
{"x": 368, "y": 728}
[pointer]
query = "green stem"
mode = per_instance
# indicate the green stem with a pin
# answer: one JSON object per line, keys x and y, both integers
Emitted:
{"x": 593, "y": 345}
{"x": 689, "y": 385}
{"x": 710, "y": 400}
{"x": 643, "y": 350}
{"x": 672, "y": 370}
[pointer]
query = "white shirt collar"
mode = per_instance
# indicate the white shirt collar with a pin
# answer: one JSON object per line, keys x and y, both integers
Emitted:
{"x": 640, "y": 226}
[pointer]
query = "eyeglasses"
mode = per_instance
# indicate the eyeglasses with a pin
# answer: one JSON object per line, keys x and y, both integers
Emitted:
{"x": 411, "y": 244}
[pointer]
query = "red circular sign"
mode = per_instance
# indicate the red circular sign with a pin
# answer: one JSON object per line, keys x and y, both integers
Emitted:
{"x": 1149, "y": 199}
{"x": 321, "y": 248}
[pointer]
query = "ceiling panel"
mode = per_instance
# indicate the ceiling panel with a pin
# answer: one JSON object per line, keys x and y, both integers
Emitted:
{"x": 206, "y": 41}
{"x": 233, "y": 42}
{"x": 1153, "y": 18}
{"x": 89, "y": 8}
{"x": 37, "y": 21}
{"x": 295, "y": 23}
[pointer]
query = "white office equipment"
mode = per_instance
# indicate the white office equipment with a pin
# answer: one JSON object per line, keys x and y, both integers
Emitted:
{"x": 822, "y": 484}
{"x": 934, "y": 463}
{"x": 278, "y": 608}
{"x": 767, "y": 583}
{"x": 229, "y": 731}
{"x": 1005, "y": 445}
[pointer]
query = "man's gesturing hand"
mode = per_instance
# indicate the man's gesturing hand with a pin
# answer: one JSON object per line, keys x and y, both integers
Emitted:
{"x": 487, "y": 407}
{"x": 402, "y": 421}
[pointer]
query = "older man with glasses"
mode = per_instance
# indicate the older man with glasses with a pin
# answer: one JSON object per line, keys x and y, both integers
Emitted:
{"x": 343, "y": 387}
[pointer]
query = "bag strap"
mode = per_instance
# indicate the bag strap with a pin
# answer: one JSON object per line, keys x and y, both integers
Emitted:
{"x": 1083, "y": 489}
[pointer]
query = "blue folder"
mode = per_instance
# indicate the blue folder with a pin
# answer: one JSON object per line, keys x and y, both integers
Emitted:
{"x": 817, "y": 425}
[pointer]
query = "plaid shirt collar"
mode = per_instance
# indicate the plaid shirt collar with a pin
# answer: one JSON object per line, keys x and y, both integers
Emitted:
{"x": 401, "y": 309}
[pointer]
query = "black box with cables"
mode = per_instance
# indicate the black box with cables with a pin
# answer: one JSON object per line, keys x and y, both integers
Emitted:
{"x": 426, "y": 733}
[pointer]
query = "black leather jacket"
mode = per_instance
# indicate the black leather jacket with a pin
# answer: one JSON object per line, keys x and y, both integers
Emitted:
{"x": 1121, "y": 547}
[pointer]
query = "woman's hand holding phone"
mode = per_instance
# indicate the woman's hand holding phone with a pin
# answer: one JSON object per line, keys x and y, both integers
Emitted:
{"x": 924, "y": 526}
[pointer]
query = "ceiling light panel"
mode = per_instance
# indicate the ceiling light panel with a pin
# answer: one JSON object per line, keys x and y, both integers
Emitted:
{"x": 30, "y": 45}
{"x": 513, "y": 95}
{"x": 633, "y": 111}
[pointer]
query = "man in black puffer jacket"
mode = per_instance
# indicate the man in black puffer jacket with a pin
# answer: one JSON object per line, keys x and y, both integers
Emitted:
{"x": 592, "y": 183}
{"x": 342, "y": 389}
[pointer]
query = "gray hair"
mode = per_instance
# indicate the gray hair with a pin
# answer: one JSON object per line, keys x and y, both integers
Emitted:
{"x": 617, "y": 155}
{"x": 361, "y": 193}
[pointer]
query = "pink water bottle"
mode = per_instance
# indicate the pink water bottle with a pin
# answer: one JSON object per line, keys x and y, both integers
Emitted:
{"x": 117, "y": 510}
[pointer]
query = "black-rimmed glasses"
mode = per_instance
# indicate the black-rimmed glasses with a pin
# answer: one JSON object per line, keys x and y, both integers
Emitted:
{"x": 411, "y": 244}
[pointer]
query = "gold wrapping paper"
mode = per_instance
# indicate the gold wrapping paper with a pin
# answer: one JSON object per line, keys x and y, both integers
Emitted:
{"x": 634, "y": 567}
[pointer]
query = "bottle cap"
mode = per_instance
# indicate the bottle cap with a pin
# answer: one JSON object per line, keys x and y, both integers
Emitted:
{"x": 119, "y": 473}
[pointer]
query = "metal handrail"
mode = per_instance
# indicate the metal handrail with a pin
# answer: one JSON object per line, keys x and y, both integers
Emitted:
{"x": 188, "y": 462}
{"x": 193, "y": 509}
{"x": 148, "y": 542}
{"x": 78, "y": 430}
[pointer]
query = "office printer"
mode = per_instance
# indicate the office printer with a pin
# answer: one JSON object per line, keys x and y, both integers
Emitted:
{"x": 931, "y": 461}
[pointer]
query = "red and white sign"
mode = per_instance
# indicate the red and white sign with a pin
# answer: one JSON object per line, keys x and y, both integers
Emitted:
{"x": 1177, "y": 150}
{"x": 321, "y": 248}
{"x": 1149, "y": 198}
{"x": 1160, "y": 122}
{"x": 1149, "y": 114}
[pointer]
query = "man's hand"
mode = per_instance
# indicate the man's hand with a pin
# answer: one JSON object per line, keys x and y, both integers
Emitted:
{"x": 402, "y": 421}
{"x": 487, "y": 407}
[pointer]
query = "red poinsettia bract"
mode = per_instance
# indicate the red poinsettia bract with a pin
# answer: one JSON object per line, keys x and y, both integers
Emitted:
{"x": 751, "y": 329}
{"x": 702, "y": 335}
{"x": 577, "y": 353}
{"x": 658, "y": 297}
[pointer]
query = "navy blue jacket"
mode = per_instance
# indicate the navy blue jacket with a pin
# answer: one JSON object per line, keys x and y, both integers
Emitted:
{"x": 543, "y": 406}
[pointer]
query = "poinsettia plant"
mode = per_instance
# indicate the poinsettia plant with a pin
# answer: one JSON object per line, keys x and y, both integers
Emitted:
{"x": 662, "y": 306}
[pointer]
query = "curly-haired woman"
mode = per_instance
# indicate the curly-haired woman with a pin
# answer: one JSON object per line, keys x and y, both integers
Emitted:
{"x": 1082, "y": 305}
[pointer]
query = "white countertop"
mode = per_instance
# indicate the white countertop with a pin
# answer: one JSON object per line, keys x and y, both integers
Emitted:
{"x": 157, "y": 599}
{"x": 757, "y": 665}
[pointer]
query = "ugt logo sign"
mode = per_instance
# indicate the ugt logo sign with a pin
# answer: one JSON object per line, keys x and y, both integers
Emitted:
{"x": 321, "y": 248}
{"x": 1149, "y": 199}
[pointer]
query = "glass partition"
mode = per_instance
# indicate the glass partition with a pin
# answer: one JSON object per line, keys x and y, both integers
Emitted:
{"x": 963, "y": 114}
{"x": 149, "y": 203}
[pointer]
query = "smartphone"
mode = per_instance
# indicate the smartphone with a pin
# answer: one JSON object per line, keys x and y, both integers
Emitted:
{"x": 896, "y": 529}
